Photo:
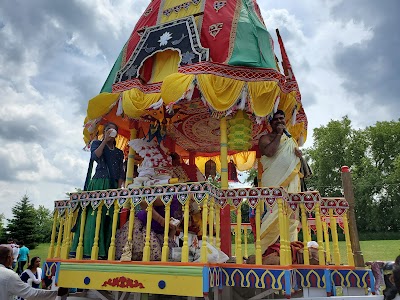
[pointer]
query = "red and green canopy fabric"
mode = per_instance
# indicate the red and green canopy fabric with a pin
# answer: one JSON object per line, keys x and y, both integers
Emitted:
{"x": 205, "y": 59}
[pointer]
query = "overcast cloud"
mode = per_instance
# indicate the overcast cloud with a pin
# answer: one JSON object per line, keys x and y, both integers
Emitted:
{"x": 55, "y": 56}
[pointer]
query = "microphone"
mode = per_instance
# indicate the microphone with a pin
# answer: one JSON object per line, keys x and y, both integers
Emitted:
{"x": 287, "y": 133}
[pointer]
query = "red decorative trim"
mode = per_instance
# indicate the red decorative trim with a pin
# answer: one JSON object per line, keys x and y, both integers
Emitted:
{"x": 123, "y": 282}
{"x": 135, "y": 83}
{"x": 238, "y": 73}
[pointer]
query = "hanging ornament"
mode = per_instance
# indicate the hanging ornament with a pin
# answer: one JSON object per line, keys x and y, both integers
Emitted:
{"x": 240, "y": 129}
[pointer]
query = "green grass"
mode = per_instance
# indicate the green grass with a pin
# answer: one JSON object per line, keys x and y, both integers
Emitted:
{"x": 372, "y": 250}
{"x": 41, "y": 250}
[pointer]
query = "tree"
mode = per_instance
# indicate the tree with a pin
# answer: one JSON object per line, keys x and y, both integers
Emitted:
{"x": 2, "y": 230}
{"x": 24, "y": 224}
{"x": 373, "y": 154}
{"x": 45, "y": 224}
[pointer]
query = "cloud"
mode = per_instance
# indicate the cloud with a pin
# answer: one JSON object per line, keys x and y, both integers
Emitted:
{"x": 370, "y": 69}
{"x": 55, "y": 56}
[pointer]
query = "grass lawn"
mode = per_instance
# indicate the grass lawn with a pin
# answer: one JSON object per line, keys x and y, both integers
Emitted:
{"x": 372, "y": 250}
{"x": 40, "y": 251}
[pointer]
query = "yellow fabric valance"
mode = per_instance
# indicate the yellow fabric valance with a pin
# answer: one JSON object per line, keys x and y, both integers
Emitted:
{"x": 263, "y": 95}
{"x": 135, "y": 102}
{"x": 220, "y": 92}
{"x": 100, "y": 105}
{"x": 175, "y": 86}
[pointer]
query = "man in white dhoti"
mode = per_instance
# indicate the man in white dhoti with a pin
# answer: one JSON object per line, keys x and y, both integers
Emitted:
{"x": 281, "y": 168}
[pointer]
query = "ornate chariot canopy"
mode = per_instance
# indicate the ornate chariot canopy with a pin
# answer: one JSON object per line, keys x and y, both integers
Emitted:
{"x": 189, "y": 63}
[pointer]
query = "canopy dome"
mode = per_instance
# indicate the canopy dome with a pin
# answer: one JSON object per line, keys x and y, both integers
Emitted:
{"x": 188, "y": 63}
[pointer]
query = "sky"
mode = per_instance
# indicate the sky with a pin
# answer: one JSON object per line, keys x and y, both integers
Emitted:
{"x": 55, "y": 55}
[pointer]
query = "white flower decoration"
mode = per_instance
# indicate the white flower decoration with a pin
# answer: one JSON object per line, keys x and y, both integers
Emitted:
{"x": 165, "y": 38}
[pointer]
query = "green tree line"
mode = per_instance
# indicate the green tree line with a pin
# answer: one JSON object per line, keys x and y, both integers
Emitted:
{"x": 373, "y": 155}
{"x": 30, "y": 224}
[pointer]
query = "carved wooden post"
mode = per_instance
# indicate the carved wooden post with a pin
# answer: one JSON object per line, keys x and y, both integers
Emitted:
{"x": 349, "y": 195}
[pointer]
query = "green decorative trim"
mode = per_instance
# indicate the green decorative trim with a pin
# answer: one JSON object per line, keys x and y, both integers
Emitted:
{"x": 224, "y": 144}
{"x": 116, "y": 268}
{"x": 131, "y": 156}
{"x": 224, "y": 169}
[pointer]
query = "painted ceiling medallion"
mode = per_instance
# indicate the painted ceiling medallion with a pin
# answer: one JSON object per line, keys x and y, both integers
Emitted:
{"x": 214, "y": 29}
{"x": 218, "y": 5}
{"x": 165, "y": 38}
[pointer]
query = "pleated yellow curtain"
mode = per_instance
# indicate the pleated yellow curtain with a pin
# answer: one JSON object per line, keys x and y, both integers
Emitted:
{"x": 220, "y": 92}
{"x": 135, "y": 102}
{"x": 100, "y": 105}
{"x": 175, "y": 86}
{"x": 263, "y": 95}
{"x": 287, "y": 104}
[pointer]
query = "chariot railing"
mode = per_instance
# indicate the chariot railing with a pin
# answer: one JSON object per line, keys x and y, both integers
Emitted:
{"x": 317, "y": 214}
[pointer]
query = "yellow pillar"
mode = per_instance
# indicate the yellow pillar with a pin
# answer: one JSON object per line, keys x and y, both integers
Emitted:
{"x": 239, "y": 255}
{"x": 258, "y": 234}
{"x": 211, "y": 223}
{"x": 327, "y": 244}
{"x": 217, "y": 225}
{"x": 130, "y": 164}
{"x": 318, "y": 224}
{"x": 146, "y": 249}
{"x": 67, "y": 230}
{"x": 131, "y": 161}
{"x": 165, "y": 248}
{"x": 95, "y": 247}
{"x": 111, "y": 250}
{"x": 79, "y": 249}
{"x": 53, "y": 235}
{"x": 60, "y": 233}
{"x": 131, "y": 223}
{"x": 185, "y": 247}
{"x": 335, "y": 240}
{"x": 246, "y": 253}
{"x": 350, "y": 257}
{"x": 304, "y": 227}
{"x": 225, "y": 213}
{"x": 287, "y": 215}
{"x": 281, "y": 217}
{"x": 203, "y": 253}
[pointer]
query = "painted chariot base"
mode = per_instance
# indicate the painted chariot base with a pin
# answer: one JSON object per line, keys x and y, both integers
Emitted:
{"x": 200, "y": 280}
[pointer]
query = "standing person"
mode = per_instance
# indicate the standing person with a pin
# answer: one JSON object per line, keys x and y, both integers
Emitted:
{"x": 23, "y": 257}
{"x": 33, "y": 273}
{"x": 15, "y": 248}
{"x": 109, "y": 175}
{"x": 11, "y": 285}
{"x": 281, "y": 167}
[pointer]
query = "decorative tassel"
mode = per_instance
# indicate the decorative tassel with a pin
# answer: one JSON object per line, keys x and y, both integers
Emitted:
{"x": 243, "y": 98}
{"x": 108, "y": 212}
{"x": 277, "y": 100}
{"x": 294, "y": 114}
{"x": 120, "y": 110}
{"x": 157, "y": 105}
